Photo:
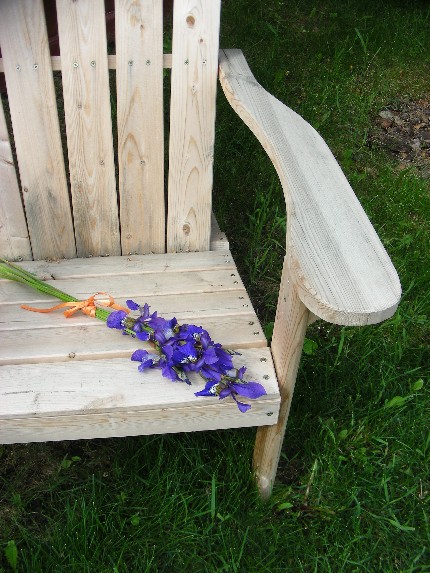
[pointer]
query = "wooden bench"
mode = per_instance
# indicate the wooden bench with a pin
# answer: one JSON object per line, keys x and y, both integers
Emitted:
{"x": 90, "y": 219}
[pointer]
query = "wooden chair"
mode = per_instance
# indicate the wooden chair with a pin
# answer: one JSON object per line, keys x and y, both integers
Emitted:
{"x": 89, "y": 222}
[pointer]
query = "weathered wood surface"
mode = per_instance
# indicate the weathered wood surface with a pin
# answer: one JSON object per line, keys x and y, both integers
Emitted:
{"x": 79, "y": 379}
{"x": 133, "y": 265}
{"x": 337, "y": 262}
{"x": 139, "y": 80}
{"x": 36, "y": 129}
{"x": 192, "y": 124}
{"x": 292, "y": 318}
{"x": 82, "y": 36}
{"x": 105, "y": 384}
{"x": 111, "y": 398}
{"x": 14, "y": 240}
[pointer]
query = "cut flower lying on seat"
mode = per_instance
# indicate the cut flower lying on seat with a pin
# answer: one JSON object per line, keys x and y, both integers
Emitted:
{"x": 177, "y": 349}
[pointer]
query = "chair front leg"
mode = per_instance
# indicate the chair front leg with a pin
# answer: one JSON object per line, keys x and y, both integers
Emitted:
{"x": 292, "y": 318}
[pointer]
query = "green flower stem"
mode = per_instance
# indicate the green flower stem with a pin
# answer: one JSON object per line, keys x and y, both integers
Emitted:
{"x": 15, "y": 273}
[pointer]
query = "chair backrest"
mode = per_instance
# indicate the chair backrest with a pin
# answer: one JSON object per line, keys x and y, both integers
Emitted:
{"x": 78, "y": 196}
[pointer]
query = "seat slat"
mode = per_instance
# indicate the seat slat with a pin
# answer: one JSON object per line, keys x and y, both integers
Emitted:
{"x": 192, "y": 121}
{"x": 135, "y": 264}
{"x": 83, "y": 46}
{"x": 139, "y": 64}
{"x": 131, "y": 286}
{"x": 187, "y": 309}
{"x": 36, "y": 129}
{"x": 14, "y": 240}
{"x": 94, "y": 340}
{"x": 111, "y": 385}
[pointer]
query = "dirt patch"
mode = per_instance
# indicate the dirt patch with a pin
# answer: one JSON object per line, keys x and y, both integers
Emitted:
{"x": 403, "y": 131}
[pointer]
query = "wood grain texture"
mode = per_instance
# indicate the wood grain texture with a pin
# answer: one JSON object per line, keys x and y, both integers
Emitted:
{"x": 111, "y": 398}
{"x": 139, "y": 47}
{"x": 337, "y": 262}
{"x": 36, "y": 129}
{"x": 192, "y": 120}
{"x": 133, "y": 265}
{"x": 198, "y": 307}
{"x": 14, "y": 239}
{"x": 186, "y": 283}
{"x": 93, "y": 341}
{"x": 82, "y": 36}
{"x": 215, "y": 416}
{"x": 287, "y": 342}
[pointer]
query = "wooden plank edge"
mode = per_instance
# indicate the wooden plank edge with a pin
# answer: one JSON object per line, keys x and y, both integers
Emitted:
{"x": 134, "y": 423}
{"x": 218, "y": 239}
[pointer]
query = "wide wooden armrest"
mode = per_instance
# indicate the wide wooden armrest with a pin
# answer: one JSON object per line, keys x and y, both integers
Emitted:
{"x": 337, "y": 262}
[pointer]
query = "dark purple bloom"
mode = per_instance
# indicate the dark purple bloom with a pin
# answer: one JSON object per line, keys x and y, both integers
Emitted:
{"x": 163, "y": 329}
{"x": 229, "y": 386}
{"x": 146, "y": 360}
{"x": 143, "y": 335}
{"x": 116, "y": 319}
{"x": 180, "y": 349}
{"x": 210, "y": 389}
{"x": 184, "y": 354}
{"x": 251, "y": 390}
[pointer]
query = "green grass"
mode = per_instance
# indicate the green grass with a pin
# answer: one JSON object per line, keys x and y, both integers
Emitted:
{"x": 353, "y": 489}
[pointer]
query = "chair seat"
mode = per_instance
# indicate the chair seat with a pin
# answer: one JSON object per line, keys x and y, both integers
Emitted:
{"x": 72, "y": 378}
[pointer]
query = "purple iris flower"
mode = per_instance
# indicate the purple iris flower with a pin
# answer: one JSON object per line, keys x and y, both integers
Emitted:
{"x": 163, "y": 329}
{"x": 146, "y": 359}
{"x": 180, "y": 349}
{"x": 234, "y": 387}
{"x": 116, "y": 319}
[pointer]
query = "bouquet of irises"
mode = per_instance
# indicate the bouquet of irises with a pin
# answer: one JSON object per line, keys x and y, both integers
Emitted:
{"x": 176, "y": 349}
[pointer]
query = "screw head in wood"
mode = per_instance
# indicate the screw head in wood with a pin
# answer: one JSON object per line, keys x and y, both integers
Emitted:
{"x": 93, "y": 64}
{"x": 36, "y": 66}
{"x": 75, "y": 65}
{"x": 18, "y": 68}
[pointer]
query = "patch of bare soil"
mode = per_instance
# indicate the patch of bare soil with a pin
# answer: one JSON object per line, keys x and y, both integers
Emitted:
{"x": 404, "y": 132}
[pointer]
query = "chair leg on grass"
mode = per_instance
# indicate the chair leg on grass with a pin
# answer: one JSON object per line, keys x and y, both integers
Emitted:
{"x": 291, "y": 321}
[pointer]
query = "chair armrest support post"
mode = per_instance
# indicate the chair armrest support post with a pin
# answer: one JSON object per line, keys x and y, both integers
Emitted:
{"x": 292, "y": 318}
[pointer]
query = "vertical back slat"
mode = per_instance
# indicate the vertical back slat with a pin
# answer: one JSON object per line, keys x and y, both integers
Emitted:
{"x": 83, "y": 48}
{"x": 139, "y": 63}
{"x": 36, "y": 129}
{"x": 192, "y": 119}
{"x": 14, "y": 241}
